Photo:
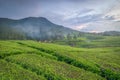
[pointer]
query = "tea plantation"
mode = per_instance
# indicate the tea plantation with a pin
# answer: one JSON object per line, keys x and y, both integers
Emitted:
{"x": 32, "y": 60}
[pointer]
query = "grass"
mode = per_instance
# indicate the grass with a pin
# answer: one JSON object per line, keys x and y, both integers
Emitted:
{"x": 61, "y": 62}
{"x": 91, "y": 60}
{"x": 8, "y": 48}
{"x": 10, "y": 71}
{"x": 52, "y": 69}
{"x": 84, "y": 42}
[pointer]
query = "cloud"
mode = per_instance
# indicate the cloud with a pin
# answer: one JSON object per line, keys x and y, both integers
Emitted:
{"x": 77, "y": 13}
{"x": 84, "y": 12}
{"x": 85, "y": 15}
{"x": 87, "y": 19}
{"x": 102, "y": 26}
{"x": 79, "y": 27}
{"x": 109, "y": 17}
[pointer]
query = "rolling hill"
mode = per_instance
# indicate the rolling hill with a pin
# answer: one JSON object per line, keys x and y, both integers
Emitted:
{"x": 30, "y": 60}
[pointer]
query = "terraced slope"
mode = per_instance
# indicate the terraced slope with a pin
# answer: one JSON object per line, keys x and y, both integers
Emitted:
{"x": 55, "y": 62}
{"x": 10, "y": 71}
{"x": 52, "y": 69}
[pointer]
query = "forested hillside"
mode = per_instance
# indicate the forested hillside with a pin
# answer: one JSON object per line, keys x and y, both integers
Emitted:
{"x": 36, "y": 28}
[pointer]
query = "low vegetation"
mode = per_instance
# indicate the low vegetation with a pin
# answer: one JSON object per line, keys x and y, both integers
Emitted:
{"x": 60, "y": 62}
{"x": 10, "y": 71}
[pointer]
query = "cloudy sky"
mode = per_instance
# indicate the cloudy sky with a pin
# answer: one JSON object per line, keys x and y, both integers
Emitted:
{"x": 82, "y": 15}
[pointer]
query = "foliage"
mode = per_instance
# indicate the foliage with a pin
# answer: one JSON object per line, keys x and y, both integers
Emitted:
{"x": 10, "y": 71}
{"x": 58, "y": 62}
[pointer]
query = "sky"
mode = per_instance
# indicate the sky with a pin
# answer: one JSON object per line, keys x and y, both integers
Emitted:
{"x": 82, "y": 15}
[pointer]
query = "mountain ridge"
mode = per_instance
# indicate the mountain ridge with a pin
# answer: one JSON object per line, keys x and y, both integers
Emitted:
{"x": 36, "y": 27}
{"x": 40, "y": 28}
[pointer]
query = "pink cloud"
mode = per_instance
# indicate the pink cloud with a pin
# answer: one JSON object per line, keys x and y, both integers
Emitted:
{"x": 79, "y": 27}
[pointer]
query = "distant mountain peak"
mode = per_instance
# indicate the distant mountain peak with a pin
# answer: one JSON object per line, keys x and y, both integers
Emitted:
{"x": 38, "y": 18}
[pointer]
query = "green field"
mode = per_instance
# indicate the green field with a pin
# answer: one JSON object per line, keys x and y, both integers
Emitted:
{"x": 32, "y": 60}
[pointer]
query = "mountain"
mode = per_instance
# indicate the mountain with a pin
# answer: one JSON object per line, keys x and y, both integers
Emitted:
{"x": 38, "y": 28}
{"x": 111, "y": 33}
